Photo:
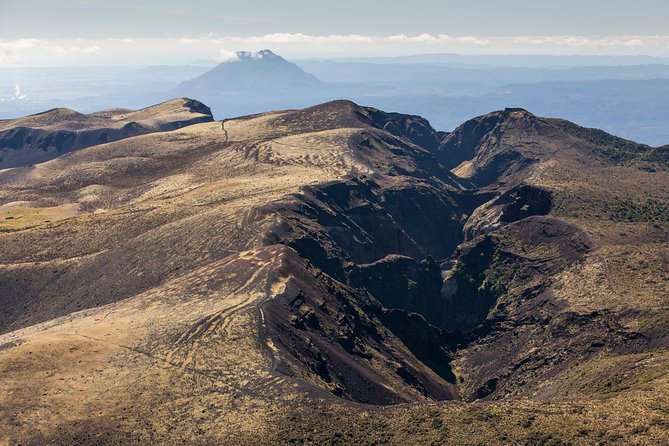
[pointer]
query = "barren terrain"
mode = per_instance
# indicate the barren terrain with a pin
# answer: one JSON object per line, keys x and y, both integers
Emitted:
{"x": 335, "y": 275}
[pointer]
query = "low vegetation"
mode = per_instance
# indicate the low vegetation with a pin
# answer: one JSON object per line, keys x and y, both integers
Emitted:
{"x": 643, "y": 210}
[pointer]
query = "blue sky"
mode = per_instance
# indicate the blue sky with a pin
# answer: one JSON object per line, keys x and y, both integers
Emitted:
{"x": 34, "y": 32}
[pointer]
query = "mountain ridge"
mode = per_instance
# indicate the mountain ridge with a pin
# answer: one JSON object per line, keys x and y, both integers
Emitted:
{"x": 337, "y": 272}
{"x": 46, "y": 135}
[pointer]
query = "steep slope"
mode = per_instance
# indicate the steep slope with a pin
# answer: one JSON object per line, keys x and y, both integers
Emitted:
{"x": 528, "y": 294}
{"x": 132, "y": 233}
{"x": 291, "y": 277}
{"x": 44, "y": 136}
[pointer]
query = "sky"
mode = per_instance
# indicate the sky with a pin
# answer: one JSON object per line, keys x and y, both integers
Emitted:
{"x": 116, "y": 32}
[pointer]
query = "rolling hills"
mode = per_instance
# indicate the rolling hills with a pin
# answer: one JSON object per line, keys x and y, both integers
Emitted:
{"x": 337, "y": 275}
{"x": 47, "y": 135}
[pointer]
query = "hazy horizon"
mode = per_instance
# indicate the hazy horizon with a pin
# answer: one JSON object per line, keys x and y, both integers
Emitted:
{"x": 600, "y": 63}
{"x": 168, "y": 32}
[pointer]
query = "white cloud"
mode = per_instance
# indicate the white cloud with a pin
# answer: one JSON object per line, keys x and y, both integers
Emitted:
{"x": 634, "y": 42}
{"x": 123, "y": 50}
{"x": 426, "y": 38}
{"x": 20, "y": 44}
{"x": 72, "y": 50}
{"x": 11, "y": 51}
{"x": 301, "y": 38}
{"x": 199, "y": 40}
{"x": 471, "y": 40}
{"x": 589, "y": 41}
{"x": 227, "y": 56}
{"x": 421, "y": 38}
{"x": 440, "y": 38}
{"x": 279, "y": 38}
{"x": 20, "y": 51}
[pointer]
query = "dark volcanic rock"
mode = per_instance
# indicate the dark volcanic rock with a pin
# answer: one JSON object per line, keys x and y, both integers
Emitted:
{"x": 415, "y": 128}
{"x": 401, "y": 282}
{"x": 334, "y": 338}
{"x": 523, "y": 254}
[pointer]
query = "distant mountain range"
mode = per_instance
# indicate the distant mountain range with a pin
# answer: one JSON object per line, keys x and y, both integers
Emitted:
{"x": 628, "y": 96}
{"x": 447, "y": 88}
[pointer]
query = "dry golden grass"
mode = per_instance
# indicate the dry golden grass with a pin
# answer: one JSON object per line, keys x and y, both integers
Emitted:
{"x": 18, "y": 217}
{"x": 182, "y": 357}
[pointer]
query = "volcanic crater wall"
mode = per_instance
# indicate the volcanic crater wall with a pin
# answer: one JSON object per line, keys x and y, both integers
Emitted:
{"x": 372, "y": 243}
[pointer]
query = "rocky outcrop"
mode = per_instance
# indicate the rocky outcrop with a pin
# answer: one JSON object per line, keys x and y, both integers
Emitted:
{"x": 516, "y": 204}
{"x": 335, "y": 337}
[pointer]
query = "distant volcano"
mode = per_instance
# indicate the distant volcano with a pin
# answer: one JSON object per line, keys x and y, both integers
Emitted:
{"x": 252, "y": 74}
{"x": 249, "y": 83}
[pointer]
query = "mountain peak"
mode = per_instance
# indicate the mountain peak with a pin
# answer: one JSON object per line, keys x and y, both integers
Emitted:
{"x": 507, "y": 114}
{"x": 516, "y": 113}
{"x": 251, "y": 56}
{"x": 252, "y": 74}
{"x": 260, "y": 55}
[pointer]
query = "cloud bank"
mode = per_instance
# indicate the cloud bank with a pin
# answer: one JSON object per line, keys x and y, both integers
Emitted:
{"x": 213, "y": 46}
{"x": 431, "y": 39}
{"x": 21, "y": 51}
